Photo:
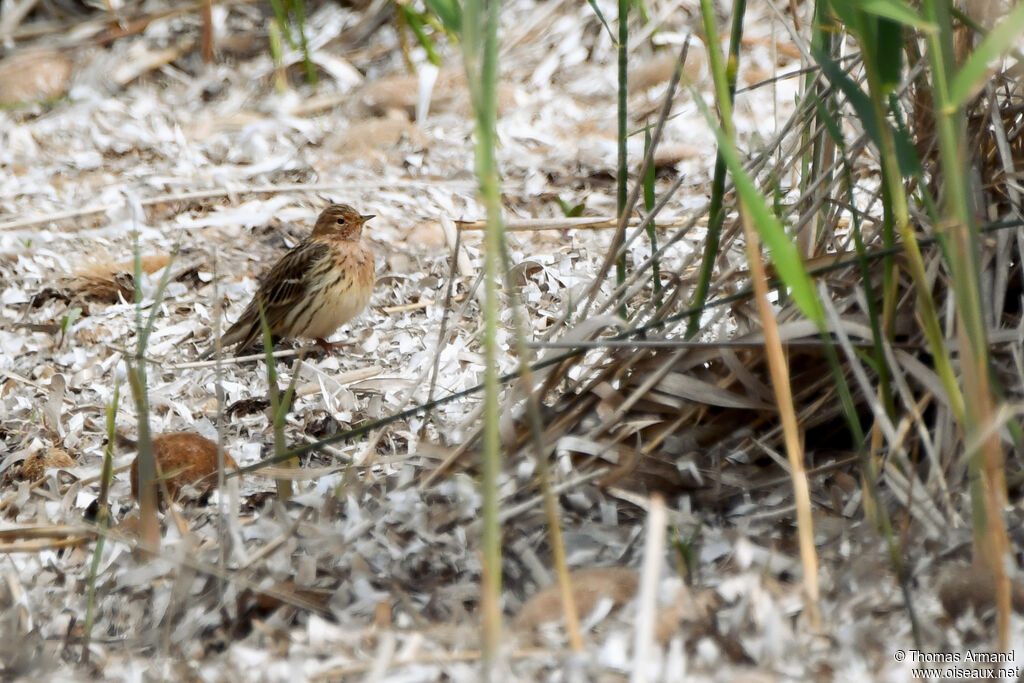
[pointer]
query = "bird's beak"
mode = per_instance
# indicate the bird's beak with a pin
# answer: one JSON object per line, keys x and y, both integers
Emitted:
{"x": 363, "y": 219}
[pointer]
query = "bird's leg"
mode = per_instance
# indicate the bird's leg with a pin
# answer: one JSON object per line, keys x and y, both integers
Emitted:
{"x": 328, "y": 347}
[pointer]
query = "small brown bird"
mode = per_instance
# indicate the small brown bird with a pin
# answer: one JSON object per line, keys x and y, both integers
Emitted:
{"x": 182, "y": 459}
{"x": 318, "y": 286}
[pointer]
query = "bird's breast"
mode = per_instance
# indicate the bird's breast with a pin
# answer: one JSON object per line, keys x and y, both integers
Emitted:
{"x": 344, "y": 292}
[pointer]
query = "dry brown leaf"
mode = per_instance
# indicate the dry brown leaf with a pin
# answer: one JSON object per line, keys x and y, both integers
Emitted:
{"x": 35, "y": 466}
{"x": 32, "y": 76}
{"x": 967, "y": 587}
{"x": 588, "y": 587}
{"x": 143, "y": 58}
{"x": 401, "y": 92}
{"x": 670, "y": 154}
{"x": 100, "y": 279}
{"x": 685, "y": 608}
{"x": 658, "y": 69}
{"x": 288, "y": 593}
{"x": 371, "y": 138}
{"x": 183, "y": 459}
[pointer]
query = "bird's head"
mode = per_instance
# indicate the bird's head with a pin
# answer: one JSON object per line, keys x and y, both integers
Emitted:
{"x": 340, "y": 221}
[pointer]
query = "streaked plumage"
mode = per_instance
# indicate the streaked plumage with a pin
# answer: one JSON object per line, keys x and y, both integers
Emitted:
{"x": 318, "y": 286}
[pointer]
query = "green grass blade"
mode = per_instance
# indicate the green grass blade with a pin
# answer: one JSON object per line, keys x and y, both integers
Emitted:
{"x": 716, "y": 212}
{"x": 652, "y": 229}
{"x": 299, "y": 10}
{"x": 278, "y": 405}
{"x": 102, "y": 519}
{"x": 906, "y": 155}
{"x": 896, "y": 10}
{"x": 281, "y": 15}
{"x": 414, "y": 21}
{"x": 622, "y": 172}
{"x": 788, "y": 264}
{"x": 604, "y": 22}
{"x": 449, "y": 12}
{"x": 974, "y": 72}
{"x": 480, "y": 57}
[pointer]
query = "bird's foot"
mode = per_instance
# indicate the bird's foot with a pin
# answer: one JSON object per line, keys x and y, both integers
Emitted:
{"x": 328, "y": 347}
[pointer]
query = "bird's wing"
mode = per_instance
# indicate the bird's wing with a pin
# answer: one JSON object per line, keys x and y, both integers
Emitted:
{"x": 286, "y": 283}
{"x": 282, "y": 289}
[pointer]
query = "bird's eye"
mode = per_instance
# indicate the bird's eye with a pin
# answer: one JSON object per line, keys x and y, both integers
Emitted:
{"x": 341, "y": 221}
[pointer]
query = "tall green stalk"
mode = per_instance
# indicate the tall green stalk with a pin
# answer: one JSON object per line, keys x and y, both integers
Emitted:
{"x": 868, "y": 465}
{"x": 985, "y": 456}
{"x": 279, "y": 405}
{"x": 294, "y": 11}
{"x": 652, "y": 229}
{"x": 876, "y": 46}
{"x": 716, "y": 211}
{"x": 541, "y": 452}
{"x": 480, "y": 54}
{"x": 102, "y": 520}
{"x": 760, "y": 224}
{"x": 622, "y": 175}
{"x": 136, "y": 371}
